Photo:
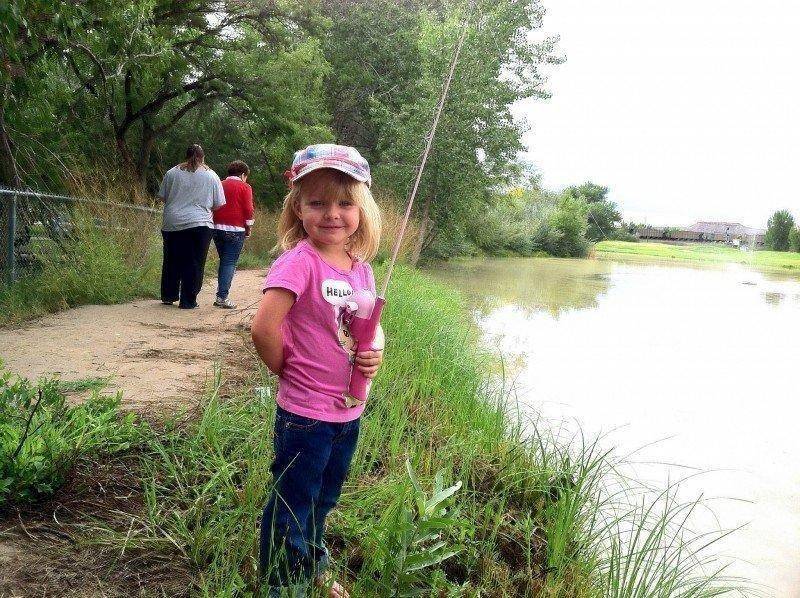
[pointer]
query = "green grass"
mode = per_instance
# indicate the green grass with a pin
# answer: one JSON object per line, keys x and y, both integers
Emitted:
{"x": 534, "y": 517}
{"x": 700, "y": 253}
{"x": 92, "y": 266}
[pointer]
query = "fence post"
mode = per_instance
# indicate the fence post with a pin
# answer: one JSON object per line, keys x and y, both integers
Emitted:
{"x": 11, "y": 233}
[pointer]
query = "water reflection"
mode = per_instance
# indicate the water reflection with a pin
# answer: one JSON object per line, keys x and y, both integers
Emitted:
{"x": 533, "y": 285}
{"x": 701, "y": 356}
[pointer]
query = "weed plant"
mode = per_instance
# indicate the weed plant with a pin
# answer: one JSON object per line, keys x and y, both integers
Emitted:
{"x": 42, "y": 436}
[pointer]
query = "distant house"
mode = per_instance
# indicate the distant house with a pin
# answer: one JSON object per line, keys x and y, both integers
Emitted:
{"x": 732, "y": 233}
{"x": 728, "y": 231}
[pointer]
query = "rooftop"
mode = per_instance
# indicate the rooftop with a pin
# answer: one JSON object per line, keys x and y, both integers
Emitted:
{"x": 721, "y": 228}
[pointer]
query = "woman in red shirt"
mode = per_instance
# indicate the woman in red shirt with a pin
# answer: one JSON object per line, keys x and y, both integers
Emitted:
{"x": 232, "y": 224}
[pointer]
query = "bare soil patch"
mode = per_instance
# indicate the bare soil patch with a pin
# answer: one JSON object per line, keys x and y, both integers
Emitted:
{"x": 159, "y": 356}
{"x": 64, "y": 546}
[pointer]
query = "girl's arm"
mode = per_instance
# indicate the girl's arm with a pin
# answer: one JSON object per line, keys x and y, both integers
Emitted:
{"x": 266, "y": 327}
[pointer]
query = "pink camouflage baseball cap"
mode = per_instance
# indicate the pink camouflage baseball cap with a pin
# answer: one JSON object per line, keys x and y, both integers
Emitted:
{"x": 329, "y": 155}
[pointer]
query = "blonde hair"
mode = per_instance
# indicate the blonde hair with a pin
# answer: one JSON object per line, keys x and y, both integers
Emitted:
{"x": 363, "y": 243}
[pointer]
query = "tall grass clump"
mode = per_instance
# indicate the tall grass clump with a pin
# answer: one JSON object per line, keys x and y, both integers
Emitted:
{"x": 392, "y": 213}
{"x": 42, "y": 436}
{"x": 206, "y": 484}
{"x": 100, "y": 255}
{"x": 261, "y": 246}
{"x": 649, "y": 550}
{"x": 450, "y": 492}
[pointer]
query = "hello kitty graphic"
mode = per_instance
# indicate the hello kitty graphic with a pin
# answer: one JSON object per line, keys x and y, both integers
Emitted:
{"x": 338, "y": 293}
{"x": 346, "y": 340}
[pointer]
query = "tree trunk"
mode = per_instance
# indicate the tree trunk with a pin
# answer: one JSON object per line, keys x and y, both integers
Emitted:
{"x": 10, "y": 177}
{"x": 145, "y": 149}
{"x": 8, "y": 165}
{"x": 126, "y": 158}
{"x": 424, "y": 229}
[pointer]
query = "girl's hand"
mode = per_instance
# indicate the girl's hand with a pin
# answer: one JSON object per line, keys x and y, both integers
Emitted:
{"x": 368, "y": 362}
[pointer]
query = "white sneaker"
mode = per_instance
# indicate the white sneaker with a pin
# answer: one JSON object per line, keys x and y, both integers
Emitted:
{"x": 225, "y": 303}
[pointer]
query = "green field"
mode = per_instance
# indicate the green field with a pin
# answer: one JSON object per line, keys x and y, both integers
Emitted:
{"x": 712, "y": 254}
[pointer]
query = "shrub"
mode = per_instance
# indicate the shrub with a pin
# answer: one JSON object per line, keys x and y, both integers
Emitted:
{"x": 42, "y": 437}
{"x": 568, "y": 223}
{"x": 794, "y": 239}
{"x": 603, "y": 220}
{"x": 779, "y": 229}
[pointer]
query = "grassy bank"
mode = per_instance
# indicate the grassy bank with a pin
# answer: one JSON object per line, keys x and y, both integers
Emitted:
{"x": 105, "y": 256}
{"x": 532, "y": 516}
{"x": 515, "y": 526}
{"x": 699, "y": 253}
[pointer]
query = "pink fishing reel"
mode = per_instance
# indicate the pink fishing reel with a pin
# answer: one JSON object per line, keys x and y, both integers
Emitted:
{"x": 366, "y": 316}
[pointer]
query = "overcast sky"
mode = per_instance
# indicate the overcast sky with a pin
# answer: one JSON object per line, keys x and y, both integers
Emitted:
{"x": 688, "y": 110}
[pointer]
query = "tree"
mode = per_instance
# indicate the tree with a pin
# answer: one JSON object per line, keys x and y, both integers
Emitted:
{"x": 146, "y": 65}
{"x": 779, "y": 227}
{"x": 477, "y": 143}
{"x": 603, "y": 215}
{"x": 589, "y": 191}
{"x": 375, "y": 66}
{"x": 290, "y": 113}
{"x": 794, "y": 239}
{"x": 603, "y": 219}
{"x": 29, "y": 31}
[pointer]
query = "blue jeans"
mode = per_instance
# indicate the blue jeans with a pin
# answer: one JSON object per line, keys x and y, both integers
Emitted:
{"x": 229, "y": 247}
{"x": 312, "y": 459}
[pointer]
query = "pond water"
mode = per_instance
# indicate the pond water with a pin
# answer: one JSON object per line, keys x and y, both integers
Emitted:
{"x": 690, "y": 369}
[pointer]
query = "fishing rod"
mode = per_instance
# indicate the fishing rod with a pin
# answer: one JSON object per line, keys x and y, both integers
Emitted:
{"x": 366, "y": 318}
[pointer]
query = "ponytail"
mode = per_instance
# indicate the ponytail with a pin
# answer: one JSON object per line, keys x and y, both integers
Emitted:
{"x": 194, "y": 157}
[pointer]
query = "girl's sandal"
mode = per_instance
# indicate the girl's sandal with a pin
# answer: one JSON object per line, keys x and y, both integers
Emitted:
{"x": 325, "y": 581}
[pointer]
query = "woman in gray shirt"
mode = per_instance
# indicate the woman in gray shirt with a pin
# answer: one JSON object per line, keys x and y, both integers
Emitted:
{"x": 190, "y": 191}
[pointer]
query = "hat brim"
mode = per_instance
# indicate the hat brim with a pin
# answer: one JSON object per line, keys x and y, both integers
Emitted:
{"x": 335, "y": 165}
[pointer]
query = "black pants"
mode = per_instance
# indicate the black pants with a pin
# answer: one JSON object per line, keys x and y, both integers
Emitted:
{"x": 185, "y": 254}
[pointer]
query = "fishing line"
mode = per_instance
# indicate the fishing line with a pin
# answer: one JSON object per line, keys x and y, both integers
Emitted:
{"x": 429, "y": 143}
{"x": 366, "y": 317}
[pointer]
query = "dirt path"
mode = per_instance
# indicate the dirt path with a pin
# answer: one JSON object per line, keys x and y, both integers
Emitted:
{"x": 159, "y": 356}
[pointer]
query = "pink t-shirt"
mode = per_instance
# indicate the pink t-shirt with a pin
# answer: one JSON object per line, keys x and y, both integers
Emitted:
{"x": 317, "y": 355}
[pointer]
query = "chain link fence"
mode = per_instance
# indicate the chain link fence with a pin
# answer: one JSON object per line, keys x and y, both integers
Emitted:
{"x": 44, "y": 228}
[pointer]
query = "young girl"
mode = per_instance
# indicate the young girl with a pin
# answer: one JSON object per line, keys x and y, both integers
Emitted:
{"x": 329, "y": 228}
